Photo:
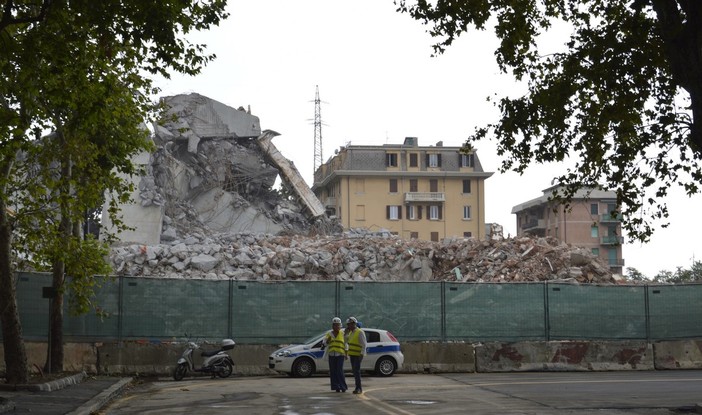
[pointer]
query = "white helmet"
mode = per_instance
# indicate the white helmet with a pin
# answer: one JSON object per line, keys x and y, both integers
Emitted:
{"x": 352, "y": 320}
{"x": 336, "y": 320}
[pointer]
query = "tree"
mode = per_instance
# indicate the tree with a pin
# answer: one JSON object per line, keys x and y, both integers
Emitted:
{"x": 633, "y": 274}
{"x": 79, "y": 69}
{"x": 681, "y": 275}
{"x": 625, "y": 96}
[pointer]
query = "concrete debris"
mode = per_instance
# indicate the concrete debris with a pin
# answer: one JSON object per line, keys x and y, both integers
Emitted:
{"x": 209, "y": 176}
{"x": 358, "y": 255}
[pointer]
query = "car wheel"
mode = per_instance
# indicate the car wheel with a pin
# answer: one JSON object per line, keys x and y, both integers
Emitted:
{"x": 227, "y": 371}
{"x": 180, "y": 371}
{"x": 303, "y": 367}
{"x": 385, "y": 366}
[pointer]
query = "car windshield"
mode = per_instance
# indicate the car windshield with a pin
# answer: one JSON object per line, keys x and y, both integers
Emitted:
{"x": 315, "y": 338}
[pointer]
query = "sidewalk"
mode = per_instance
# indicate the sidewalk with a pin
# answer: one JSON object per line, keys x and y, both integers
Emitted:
{"x": 75, "y": 395}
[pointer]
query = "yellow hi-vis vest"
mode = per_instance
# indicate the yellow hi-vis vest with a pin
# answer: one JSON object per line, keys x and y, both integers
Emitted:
{"x": 335, "y": 344}
{"x": 355, "y": 345}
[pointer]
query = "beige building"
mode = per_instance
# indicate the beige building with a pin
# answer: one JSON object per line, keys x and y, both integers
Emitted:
{"x": 589, "y": 223}
{"x": 417, "y": 192}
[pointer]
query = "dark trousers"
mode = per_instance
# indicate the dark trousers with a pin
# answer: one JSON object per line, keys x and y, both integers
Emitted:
{"x": 336, "y": 373}
{"x": 356, "y": 368}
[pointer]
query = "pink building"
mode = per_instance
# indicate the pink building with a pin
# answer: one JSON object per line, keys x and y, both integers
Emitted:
{"x": 590, "y": 222}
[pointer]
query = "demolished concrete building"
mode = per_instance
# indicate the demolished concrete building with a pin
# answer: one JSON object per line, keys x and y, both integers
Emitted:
{"x": 206, "y": 208}
{"x": 209, "y": 175}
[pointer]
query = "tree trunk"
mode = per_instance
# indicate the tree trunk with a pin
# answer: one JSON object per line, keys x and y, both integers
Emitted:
{"x": 54, "y": 356}
{"x": 682, "y": 40}
{"x": 15, "y": 354}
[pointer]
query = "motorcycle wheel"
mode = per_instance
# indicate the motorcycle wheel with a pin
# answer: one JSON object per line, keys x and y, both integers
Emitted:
{"x": 226, "y": 371}
{"x": 180, "y": 371}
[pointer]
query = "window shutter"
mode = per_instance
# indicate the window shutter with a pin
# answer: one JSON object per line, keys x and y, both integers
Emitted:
{"x": 438, "y": 160}
{"x": 399, "y": 212}
{"x": 440, "y": 212}
{"x": 426, "y": 160}
{"x": 387, "y": 160}
{"x": 460, "y": 160}
{"x": 419, "y": 212}
{"x": 387, "y": 212}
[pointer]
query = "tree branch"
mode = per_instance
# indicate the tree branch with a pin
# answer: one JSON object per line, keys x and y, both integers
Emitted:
{"x": 8, "y": 20}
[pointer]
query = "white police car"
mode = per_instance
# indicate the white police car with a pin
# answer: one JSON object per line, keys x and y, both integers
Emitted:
{"x": 383, "y": 355}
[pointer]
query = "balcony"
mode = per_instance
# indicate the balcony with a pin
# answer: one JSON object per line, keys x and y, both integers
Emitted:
{"x": 612, "y": 240}
{"x": 330, "y": 202}
{"x": 607, "y": 217}
{"x": 534, "y": 224}
{"x": 425, "y": 197}
{"x": 616, "y": 262}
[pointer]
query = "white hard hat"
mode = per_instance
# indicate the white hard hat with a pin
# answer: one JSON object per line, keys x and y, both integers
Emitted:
{"x": 352, "y": 320}
{"x": 336, "y": 320}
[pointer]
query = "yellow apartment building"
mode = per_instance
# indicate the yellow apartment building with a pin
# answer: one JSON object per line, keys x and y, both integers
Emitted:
{"x": 590, "y": 222}
{"x": 428, "y": 193}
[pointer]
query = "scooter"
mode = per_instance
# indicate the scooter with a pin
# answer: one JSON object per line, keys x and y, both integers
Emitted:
{"x": 217, "y": 362}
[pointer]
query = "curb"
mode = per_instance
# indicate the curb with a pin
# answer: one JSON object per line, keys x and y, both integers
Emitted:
{"x": 102, "y": 398}
{"x": 47, "y": 386}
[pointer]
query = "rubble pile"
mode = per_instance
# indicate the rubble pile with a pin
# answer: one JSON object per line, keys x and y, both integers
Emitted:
{"x": 361, "y": 256}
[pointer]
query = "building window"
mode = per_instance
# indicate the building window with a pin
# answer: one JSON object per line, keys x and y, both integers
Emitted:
{"x": 596, "y": 251}
{"x": 435, "y": 236}
{"x": 413, "y": 185}
{"x": 433, "y": 160}
{"x": 466, "y": 160}
{"x": 466, "y": 212}
{"x": 393, "y": 185}
{"x": 467, "y": 234}
{"x": 360, "y": 185}
{"x": 433, "y": 185}
{"x": 595, "y": 232}
{"x": 434, "y": 212}
{"x": 594, "y": 209}
{"x": 466, "y": 186}
{"x": 360, "y": 212}
{"x": 411, "y": 212}
{"x": 394, "y": 212}
{"x": 414, "y": 235}
{"x": 391, "y": 160}
{"x": 413, "y": 160}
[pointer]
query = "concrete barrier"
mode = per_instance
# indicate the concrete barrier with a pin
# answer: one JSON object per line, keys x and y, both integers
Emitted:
{"x": 432, "y": 357}
{"x": 564, "y": 356}
{"x": 159, "y": 358}
{"x": 678, "y": 354}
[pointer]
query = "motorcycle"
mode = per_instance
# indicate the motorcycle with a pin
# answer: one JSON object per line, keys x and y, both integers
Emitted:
{"x": 217, "y": 362}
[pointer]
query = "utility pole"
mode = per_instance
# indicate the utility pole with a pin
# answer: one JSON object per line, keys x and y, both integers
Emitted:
{"x": 318, "y": 160}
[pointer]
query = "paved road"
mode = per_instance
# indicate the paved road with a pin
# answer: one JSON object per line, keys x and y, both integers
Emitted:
{"x": 645, "y": 393}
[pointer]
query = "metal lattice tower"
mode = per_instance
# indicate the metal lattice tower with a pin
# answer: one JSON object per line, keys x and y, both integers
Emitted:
{"x": 317, "y": 131}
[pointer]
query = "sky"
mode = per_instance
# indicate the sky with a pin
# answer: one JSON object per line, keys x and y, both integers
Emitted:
{"x": 378, "y": 84}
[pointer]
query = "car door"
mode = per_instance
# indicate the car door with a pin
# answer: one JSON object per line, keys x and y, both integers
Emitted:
{"x": 320, "y": 357}
{"x": 373, "y": 347}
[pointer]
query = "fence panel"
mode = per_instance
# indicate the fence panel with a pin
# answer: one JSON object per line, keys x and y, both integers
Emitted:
{"x": 675, "y": 311}
{"x": 495, "y": 312}
{"x": 410, "y": 310}
{"x": 92, "y": 325}
{"x": 33, "y": 308}
{"x": 596, "y": 312}
{"x": 167, "y": 309}
{"x": 281, "y": 312}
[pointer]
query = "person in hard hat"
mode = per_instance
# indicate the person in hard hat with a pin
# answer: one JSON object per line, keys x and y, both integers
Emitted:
{"x": 336, "y": 353}
{"x": 355, "y": 340}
